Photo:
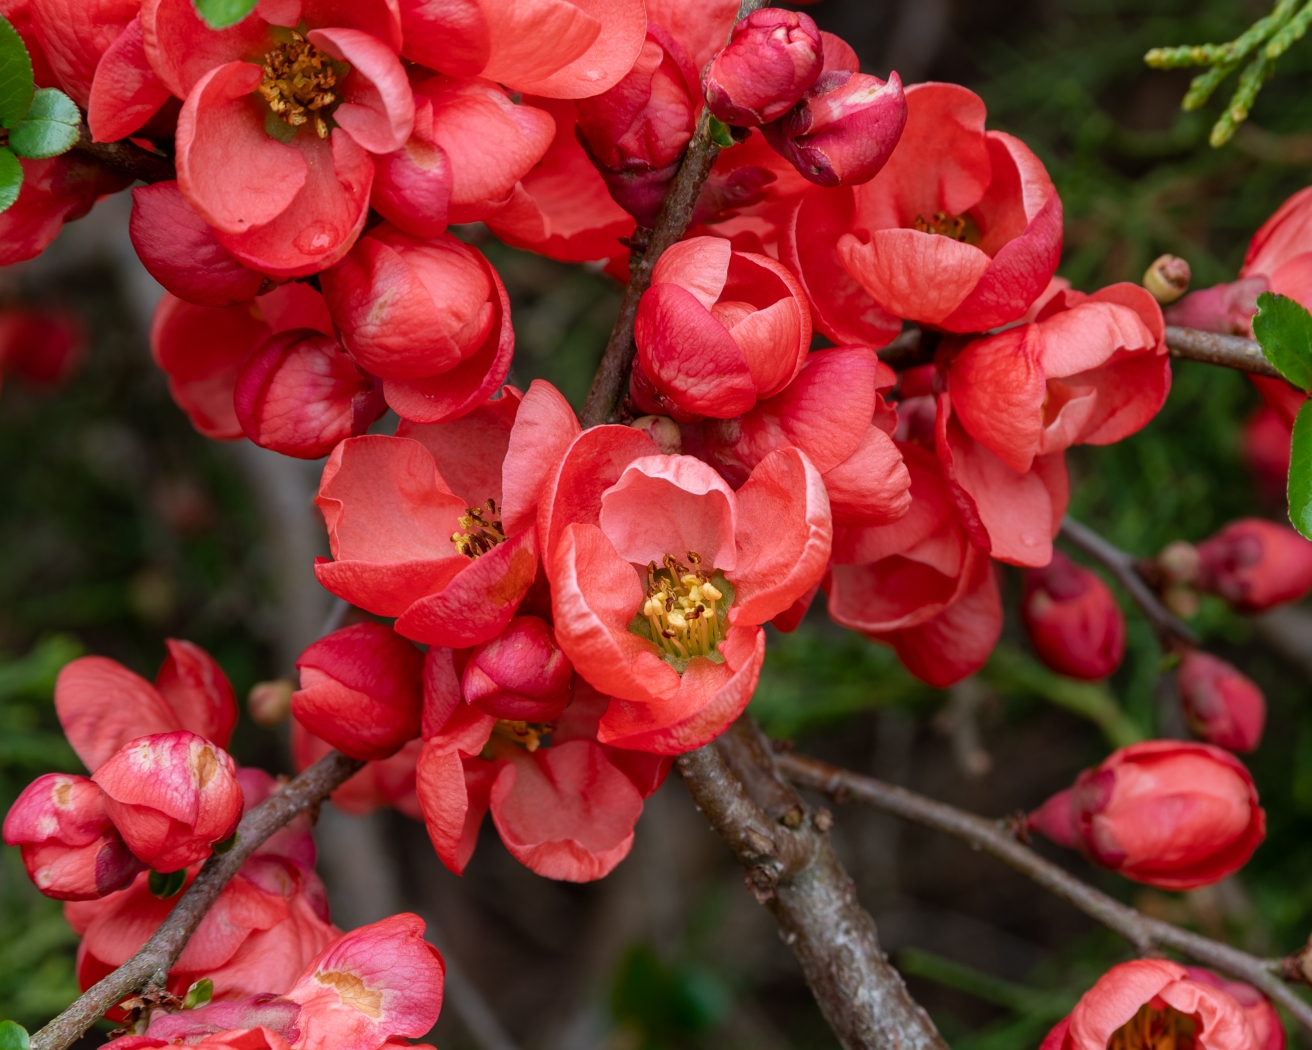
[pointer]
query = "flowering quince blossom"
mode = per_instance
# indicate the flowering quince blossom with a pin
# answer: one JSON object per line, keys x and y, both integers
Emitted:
{"x": 717, "y": 330}
{"x": 436, "y": 525}
{"x": 661, "y": 575}
{"x": 1223, "y": 706}
{"x": 1256, "y": 564}
{"x": 55, "y": 191}
{"x": 1169, "y": 814}
{"x": 1073, "y": 620}
{"x": 772, "y": 57}
{"x": 1149, "y": 1003}
{"x": 1268, "y": 1029}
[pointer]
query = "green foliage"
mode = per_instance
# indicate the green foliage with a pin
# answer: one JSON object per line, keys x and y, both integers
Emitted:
{"x": 13, "y": 1036}
{"x": 11, "y": 178}
{"x": 219, "y": 14}
{"x": 1283, "y": 328}
{"x": 665, "y": 1004}
{"x": 166, "y": 884}
{"x": 1300, "y": 472}
{"x": 721, "y": 134}
{"x": 200, "y": 993}
{"x": 16, "y": 83}
{"x": 49, "y": 128}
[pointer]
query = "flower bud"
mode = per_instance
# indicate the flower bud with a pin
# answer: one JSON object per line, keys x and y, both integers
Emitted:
{"x": 771, "y": 59}
{"x": 1262, "y": 1015}
{"x": 361, "y": 690}
{"x": 171, "y": 796}
{"x": 1167, "y": 278}
{"x": 1225, "y": 308}
{"x": 1223, "y": 707}
{"x": 269, "y": 703}
{"x": 409, "y": 308}
{"x": 1165, "y": 813}
{"x": 1255, "y": 564}
{"x": 520, "y": 674}
{"x": 663, "y": 431}
{"x": 70, "y": 848}
{"x": 299, "y": 394}
{"x": 843, "y": 130}
{"x": 1073, "y": 620}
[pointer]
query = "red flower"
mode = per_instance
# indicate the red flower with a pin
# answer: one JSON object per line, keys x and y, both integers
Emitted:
{"x": 564, "y": 804}
{"x": 1280, "y": 252}
{"x": 1223, "y": 706}
{"x": 1267, "y": 1026}
{"x": 360, "y": 690}
{"x": 389, "y": 782}
{"x": 772, "y": 58}
{"x": 919, "y": 584}
{"x": 429, "y": 316}
{"x": 519, "y": 674}
{"x": 220, "y": 1024}
{"x": 102, "y": 705}
{"x": 1091, "y": 370}
{"x": 1073, "y": 620}
{"x": 560, "y": 50}
{"x": 436, "y": 526}
{"x": 1165, "y": 813}
{"x": 844, "y": 129}
{"x": 1150, "y": 1003}
{"x": 171, "y": 796}
{"x": 71, "y": 849}
{"x": 661, "y": 575}
{"x": 73, "y": 34}
{"x": 55, "y": 191}
{"x": 1255, "y": 564}
{"x": 376, "y": 985}
{"x": 719, "y": 329}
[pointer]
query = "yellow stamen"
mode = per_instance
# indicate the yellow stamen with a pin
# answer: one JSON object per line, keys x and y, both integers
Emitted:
{"x": 943, "y": 224}
{"x": 297, "y": 83}
{"x": 527, "y": 734}
{"x": 680, "y": 608}
{"x": 1149, "y": 1029}
{"x": 483, "y": 530}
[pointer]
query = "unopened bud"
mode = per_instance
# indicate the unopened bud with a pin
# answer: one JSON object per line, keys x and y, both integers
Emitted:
{"x": 1255, "y": 564}
{"x": 521, "y": 673}
{"x": 1167, "y": 278}
{"x": 1178, "y": 563}
{"x": 663, "y": 431}
{"x": 772, "y": 58}
{"x": 843, "y": 130}
{"x": 1073, "y": 620}
{"x": 1223, "y": 706}
{"x": 269, "y": 703}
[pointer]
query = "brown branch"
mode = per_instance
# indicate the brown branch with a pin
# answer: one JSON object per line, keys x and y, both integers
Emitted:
{"x": 1170, "y": 629}
{"x": 1230, "y": 351}
{"x": 126, "y": 156}
{"x": 612, "y": 376}
{"x": 156, "y": 957}
{"x": 792, "y": 868}
{"x": 1145, "y": 933}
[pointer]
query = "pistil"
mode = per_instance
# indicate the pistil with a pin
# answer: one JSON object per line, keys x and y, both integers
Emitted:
{"x": 298, "y": 82}
{"x": 482, "y": 530}
{"x": 680, "y": 607}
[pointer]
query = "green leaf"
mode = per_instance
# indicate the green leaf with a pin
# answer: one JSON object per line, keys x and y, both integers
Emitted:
{"x": 219, "y": 14}
{"x": 16, "y": 83}
{"x": 11, "y": 178}
{"x": 226, "y": 844}
{"x": 1300, "y": 472}
{"x": 198, "y": 994}
{"x": 720, "y": 133}
{"x": 1283, "y": 328}
{"x": 50, "y": 127}
{"x": 13, "y": 1036}
{"x": 166, "y": 884}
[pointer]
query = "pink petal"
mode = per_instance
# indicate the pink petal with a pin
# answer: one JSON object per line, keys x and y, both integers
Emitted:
{"x": 623, "y": 27}
{"x": 998, "y": 392}
{"x": 920, "y": 276}
{"x": 192, "y": 683}
{"x": 377, "y": 108}
{"x": 102, "y": 705}
{"x": 699, "y": 265}
{"x": 544, "y": 427}
{"x": 872, "y": 486}
{"x": 468, "y": 451}
{"x": 125, "y": 92}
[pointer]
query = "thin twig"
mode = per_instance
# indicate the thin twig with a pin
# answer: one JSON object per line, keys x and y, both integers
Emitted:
{"x": 676, "y": 213}
{"x": 792, "y": 868}
{"x": 156, "y": 957}
{"x": 1212, "y": 348}
{"x": 126, "y": 156}
{"x": 1170, "y": 629}
{"x": 1145, "y": 933}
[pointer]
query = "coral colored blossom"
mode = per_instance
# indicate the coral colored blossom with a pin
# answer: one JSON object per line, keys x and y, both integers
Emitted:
{"x": 772, "y": 57}
{"x": 1256, "y": 564}
{"x": 1267, "y": 1026}
{"x": 661, "y": 574}
{"x": 55, "y": 191}
{"x": 1151, "y": 1003}
{"x": 1223, "y": 706}
{"x": 1166, "y": 813}
{"x": 1073, "y": 620}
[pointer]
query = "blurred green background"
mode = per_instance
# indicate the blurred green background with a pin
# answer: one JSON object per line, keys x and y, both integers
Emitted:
{"x": 120, "y": 526}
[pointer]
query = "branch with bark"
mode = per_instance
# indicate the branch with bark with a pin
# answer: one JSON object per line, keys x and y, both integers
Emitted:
{"x": 151, "y": 964}
{"x": 1147, "y": 934}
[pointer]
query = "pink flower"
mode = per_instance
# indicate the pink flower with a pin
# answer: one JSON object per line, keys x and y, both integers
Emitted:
{"x": 360, "y": 690}
{"x": 519, "y": 674}
{"x": 1280, "y": 252}
{"x": 719, "y": 329}
{"x": 1267, "y": 1026}
{"x": 1256, "y": 564}
{"x": 772, "y": 57}
{"x": 1073, "y": 620}
{"x": 374, "y": 985}
{"x": 436, "y": 526}
{"x": 55, "y": 191}
{"x": 661, "y": 575}
{"x": 171, "y": 796}
{"x": 1223, "y": 707}
{"x": 74, "y": 34}
{"x": 1154, "y": 1002}
{"x": 71, "y": 849}
{"x": 220, "y": 1024}
{"x": 430, "y": 317}
{"x": 1169, "y": 814}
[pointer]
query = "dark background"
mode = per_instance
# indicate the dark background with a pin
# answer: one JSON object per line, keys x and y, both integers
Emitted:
{"x": 119, "y": 526}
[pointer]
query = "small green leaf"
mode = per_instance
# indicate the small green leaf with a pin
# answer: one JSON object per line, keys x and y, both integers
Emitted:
{"x": 1283, "y": 329}
{"x": 16, "y": 83}
{"x": 226, "y": 844}
{"x": 166, "y": 884}
{"x": 11, "y": 178}
{"x": 13, "y": 1036}
{"x": 219, "y": 14}
{"x": 198, "y": 994}
{"x": 1300, "y": 472}
{"x": 720, "y": 133}
{"x": 50, "y": 127}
